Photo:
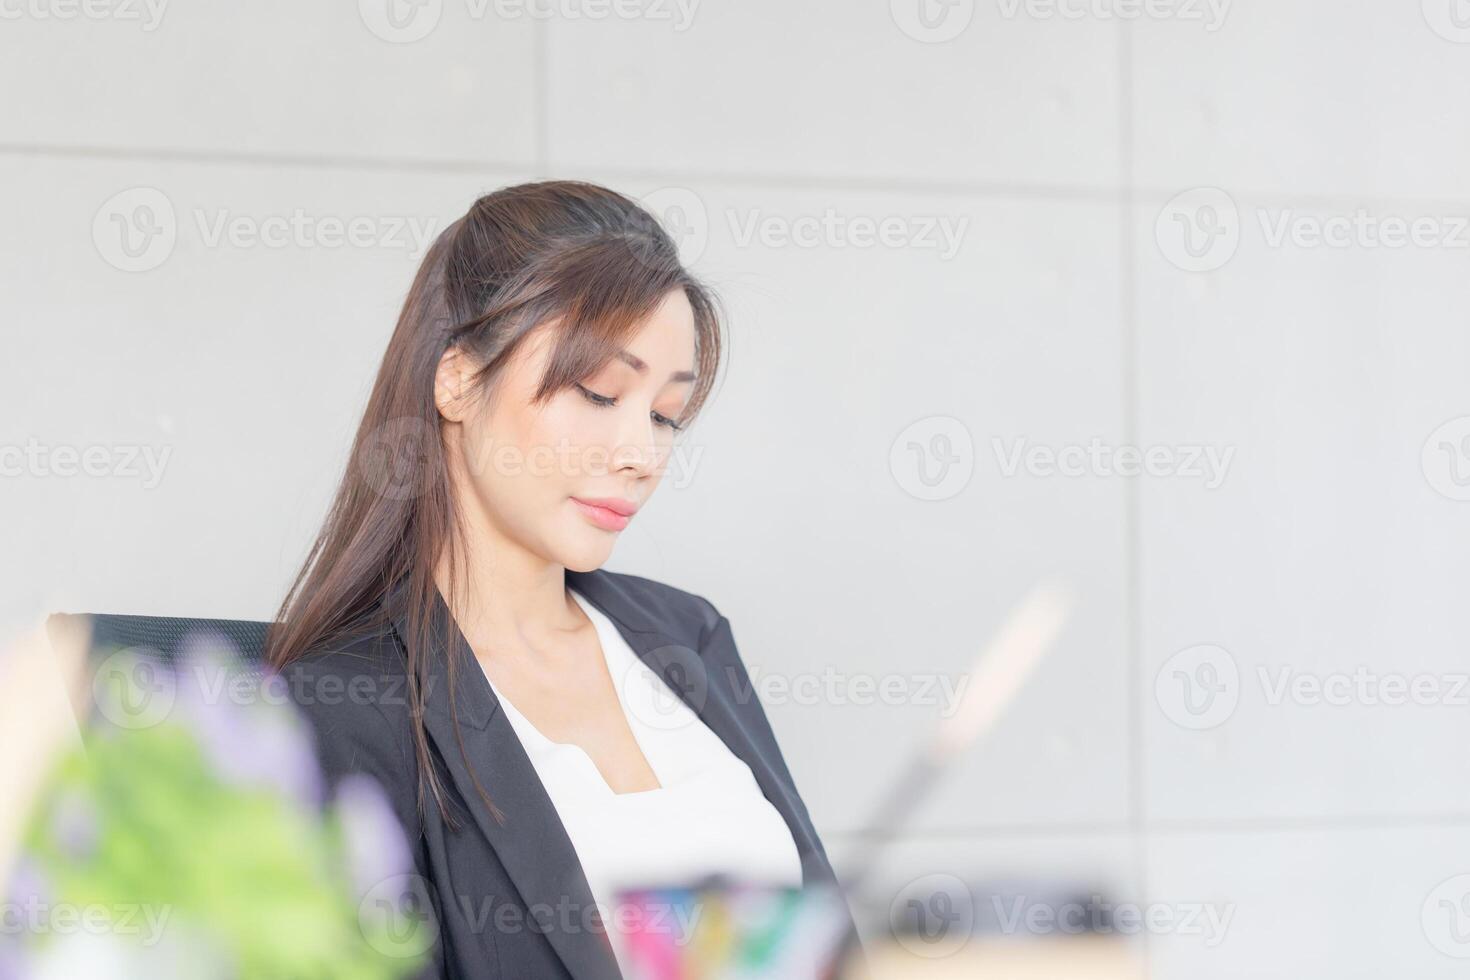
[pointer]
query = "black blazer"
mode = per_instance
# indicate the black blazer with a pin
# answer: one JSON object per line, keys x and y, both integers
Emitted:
{"x": 511, "y": 900}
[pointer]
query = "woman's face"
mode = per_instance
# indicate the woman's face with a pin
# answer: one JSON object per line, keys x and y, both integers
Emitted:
{"x": 532, "y": 476}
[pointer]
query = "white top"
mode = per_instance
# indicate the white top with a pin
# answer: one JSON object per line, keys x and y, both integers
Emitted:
{"x": 708, "y": 814}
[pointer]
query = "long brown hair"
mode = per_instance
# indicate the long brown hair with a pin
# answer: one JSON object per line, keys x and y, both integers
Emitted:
{"x": 585, "y": 256}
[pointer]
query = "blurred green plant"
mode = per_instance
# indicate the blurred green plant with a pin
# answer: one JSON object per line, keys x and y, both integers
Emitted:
{"x": 190, "y": 835}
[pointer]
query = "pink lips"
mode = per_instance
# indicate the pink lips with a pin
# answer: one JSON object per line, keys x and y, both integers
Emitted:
{"x": 608, "y": 513}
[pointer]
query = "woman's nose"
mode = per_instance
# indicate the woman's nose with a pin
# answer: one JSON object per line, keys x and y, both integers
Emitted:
{"x": 637, "y": 447}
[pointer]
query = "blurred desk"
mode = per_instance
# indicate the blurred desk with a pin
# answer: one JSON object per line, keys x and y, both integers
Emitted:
{"x": 1090, "y": 957}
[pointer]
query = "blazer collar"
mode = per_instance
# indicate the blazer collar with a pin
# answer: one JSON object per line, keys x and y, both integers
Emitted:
{"x": 532, "y": 843}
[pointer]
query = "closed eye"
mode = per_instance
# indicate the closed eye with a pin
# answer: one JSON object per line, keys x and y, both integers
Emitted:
{"x": 608, "y": 402}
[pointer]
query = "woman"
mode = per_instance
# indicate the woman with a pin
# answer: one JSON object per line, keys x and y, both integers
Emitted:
{"x": 545, "y": 730}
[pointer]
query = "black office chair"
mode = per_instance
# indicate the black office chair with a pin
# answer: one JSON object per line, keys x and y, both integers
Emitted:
{"x": 163, "y": 635}
{"x": 160, "y": 638}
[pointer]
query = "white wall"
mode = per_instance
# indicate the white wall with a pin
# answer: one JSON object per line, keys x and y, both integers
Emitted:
{"x": 1069, "y": 154}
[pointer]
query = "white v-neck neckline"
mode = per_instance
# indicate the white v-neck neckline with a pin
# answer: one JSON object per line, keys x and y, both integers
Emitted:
{"x": 525, "y": 727}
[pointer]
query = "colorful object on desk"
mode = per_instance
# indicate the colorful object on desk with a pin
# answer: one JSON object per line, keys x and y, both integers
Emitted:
{"x": 733, "y": 930}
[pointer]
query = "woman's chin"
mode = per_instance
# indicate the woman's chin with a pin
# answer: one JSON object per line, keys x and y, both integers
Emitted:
{"x": 588, "y": 555}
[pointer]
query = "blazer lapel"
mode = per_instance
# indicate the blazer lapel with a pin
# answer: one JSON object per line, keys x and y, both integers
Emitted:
{"x": 532, "y": 844}
{"x": 712, "y": 698}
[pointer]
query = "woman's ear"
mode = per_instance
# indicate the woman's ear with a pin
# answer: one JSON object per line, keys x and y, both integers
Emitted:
{"x": 451, "y": 383}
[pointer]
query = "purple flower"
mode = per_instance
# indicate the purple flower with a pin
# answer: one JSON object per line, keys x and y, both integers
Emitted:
{"x": 248, "y": 739}
{"x": 12, "y": 959}
{"x": 74, "y": 822}
{"x": 28, "y": 885}
{"x": 376, "y": 846}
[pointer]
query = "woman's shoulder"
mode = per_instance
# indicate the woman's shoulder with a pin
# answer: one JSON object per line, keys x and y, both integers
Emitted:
{"x": 655, "y": 604}
{"x": 353, "y": 694}
{"x": 361, "y": 677}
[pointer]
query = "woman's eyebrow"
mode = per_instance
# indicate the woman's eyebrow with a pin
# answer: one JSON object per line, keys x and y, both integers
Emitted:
{"x": 641, "y": 366}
